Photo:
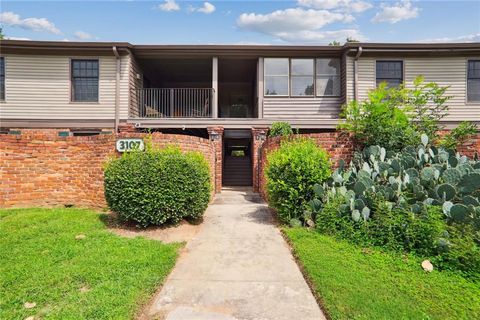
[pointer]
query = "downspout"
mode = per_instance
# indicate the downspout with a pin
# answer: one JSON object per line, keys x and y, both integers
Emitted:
{"x": 117, "y": 89}
{"x": 355, "y": 73}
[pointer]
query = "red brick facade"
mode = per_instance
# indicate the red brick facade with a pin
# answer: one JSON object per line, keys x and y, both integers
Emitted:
{"x": 258, "y": 139}
{"x": 216, "y": 138}
{"x": 41, "y": 168}
{"x": 338, "y": 144}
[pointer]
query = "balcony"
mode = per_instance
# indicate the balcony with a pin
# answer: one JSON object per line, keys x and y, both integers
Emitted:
{"x": 172, "y": 103}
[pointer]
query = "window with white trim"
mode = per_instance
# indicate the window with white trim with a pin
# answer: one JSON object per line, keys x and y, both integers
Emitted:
{"x": 390, "y": 72}
{"x": 302, "y": 71}
{"x": 328, "y": 77}
{"x": 276, "y": 76}
{"x": 84, "y": 80}
{"x": 473, "y": 81}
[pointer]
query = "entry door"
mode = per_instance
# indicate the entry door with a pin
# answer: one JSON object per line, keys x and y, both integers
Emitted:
{"x": 237, "y": 166}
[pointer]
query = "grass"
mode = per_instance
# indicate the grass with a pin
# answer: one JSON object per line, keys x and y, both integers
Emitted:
{"x": 354, "y": 283}
{"x": 102, "y": 276}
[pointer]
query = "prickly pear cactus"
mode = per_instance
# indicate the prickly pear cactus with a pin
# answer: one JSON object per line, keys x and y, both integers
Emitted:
{"x": 411, "y": 179}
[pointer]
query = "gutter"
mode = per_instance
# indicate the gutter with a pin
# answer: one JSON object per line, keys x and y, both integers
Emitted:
{"x": 117, "y": 89}
{"x": 355, "y": 73}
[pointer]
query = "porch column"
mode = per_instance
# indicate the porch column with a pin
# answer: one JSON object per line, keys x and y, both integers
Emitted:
{"x": 260, "y": 87}
{"x": 259, "y": 136}
{"x": 216, "y": 138}
{"x": 215, "y": 87}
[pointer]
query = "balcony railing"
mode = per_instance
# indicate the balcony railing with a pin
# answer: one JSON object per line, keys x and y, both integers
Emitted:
{"x": 173, "y": 102}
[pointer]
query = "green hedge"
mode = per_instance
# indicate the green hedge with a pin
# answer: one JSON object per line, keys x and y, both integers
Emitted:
{"x": 158, "y": 186}
{"x": 291, "y": 172}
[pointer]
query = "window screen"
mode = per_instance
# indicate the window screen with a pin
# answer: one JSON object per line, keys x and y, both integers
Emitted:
{"x": 390, "y": 72}
{"x": 276, "y": 76}
{"x": 473, "y": 81}
{"x": 328, "y": 77}
{"x": 85, "y": 80}
{"x": 301, "y": 77}
{"x": 2, "y": 78}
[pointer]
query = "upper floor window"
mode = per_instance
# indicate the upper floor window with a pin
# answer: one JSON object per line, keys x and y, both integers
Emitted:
{"x": 2, "y": 78}
{"x": 276, "y": 76}
{"x": 473, "y": 81}
{"x": 328, "y": 77}
{"x": 85, "y": 80}
{"x": 302, "y": 77}
{"x": 390, "y": 72}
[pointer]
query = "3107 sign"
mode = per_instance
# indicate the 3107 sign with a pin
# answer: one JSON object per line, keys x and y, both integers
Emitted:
{"x": 125, "y": 145}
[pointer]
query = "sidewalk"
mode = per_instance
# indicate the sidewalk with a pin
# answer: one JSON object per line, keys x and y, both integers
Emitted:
{"x": 237, "y": 267}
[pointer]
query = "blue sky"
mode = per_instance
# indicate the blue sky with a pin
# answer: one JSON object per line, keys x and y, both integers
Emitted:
{"x": 242, "y": 22}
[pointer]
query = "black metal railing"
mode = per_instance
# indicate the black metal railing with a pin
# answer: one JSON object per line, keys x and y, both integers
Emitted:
{"x": 174, "y": 102}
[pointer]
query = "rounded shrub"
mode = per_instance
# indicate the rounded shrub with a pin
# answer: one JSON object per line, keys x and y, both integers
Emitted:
{"x": 158, "y": 186}
{"x": 280, "y": 128}
{"x": 291, "y": 172}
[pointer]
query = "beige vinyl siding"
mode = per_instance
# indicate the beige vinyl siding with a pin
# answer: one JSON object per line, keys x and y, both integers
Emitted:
{"x": 134, "y": 84}
{"x": 305, "y": 107}
{"x": 446, "y": 71}
{"x": 38, "y": 87}
{"x": 301, "y": 108}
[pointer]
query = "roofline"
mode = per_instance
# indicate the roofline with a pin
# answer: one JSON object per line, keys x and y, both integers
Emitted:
{"x": 233, "y": 49}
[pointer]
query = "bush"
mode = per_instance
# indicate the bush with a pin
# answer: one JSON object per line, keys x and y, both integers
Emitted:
{"x": 280, "y": 129}
{"x": 380, "y": 120}
{"x": 291, "y": 172}
{"x": 158, "y": 186}
{"x": 396, "y": 230}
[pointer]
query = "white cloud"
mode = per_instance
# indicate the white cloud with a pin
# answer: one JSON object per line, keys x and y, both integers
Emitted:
{"x": 396, "y": 12}
{"x": 290, "y": 20}
{"x": 474, "y": 37}
{"x": 35, "y": 24}
{"x": 169, "y": 5}
{"x": 82, "y": 35}
{"x": 344, "y": 5}
{"x": 207, "y": 8}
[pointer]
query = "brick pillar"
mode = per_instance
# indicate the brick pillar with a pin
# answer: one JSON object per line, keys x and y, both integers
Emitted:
{"x": 258, "y": 138}
{"x": 216, "y": 137}
{"x": 126, "y": 127}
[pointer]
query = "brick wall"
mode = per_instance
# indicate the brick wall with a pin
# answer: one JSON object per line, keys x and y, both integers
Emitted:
{"x": 338, "y": 144}
{"x": 39, "y": 168}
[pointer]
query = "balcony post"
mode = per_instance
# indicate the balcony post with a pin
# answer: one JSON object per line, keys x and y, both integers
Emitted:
{"x": 215, "y": 87}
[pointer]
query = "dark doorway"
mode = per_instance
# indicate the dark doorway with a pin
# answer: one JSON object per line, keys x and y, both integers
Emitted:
{"x": 237, "y": 158}
{"x": 237, "y": 88}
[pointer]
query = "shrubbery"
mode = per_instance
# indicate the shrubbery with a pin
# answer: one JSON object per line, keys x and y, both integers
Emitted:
{"x": 280, "y": 129}
{"x": 416, "y": 200}
{"x": 396, "y": 117}
{"x": 158, "y": 186}
{"x": 291, "y": 172}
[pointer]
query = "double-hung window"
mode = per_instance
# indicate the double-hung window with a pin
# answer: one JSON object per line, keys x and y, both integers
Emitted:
{"x": 328, "y": 77}
{"x": 473, "y": 81}
{"x": 390, "y": 72}
{"x": 302, "y": 77}
{"x": 2, "y": 78}
{"x": 276, "y": 76}
{"x": 84, "y": 80}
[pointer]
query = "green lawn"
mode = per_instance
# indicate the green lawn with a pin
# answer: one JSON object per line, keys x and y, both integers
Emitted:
{"x": 102, "y": 276}
{"x": 352, "y": 283}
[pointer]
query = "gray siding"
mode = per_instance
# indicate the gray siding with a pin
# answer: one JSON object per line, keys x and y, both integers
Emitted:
{"x": 301, "y": 108}
{"x": 446, "y": 71}
{"x": 38, "y": 87}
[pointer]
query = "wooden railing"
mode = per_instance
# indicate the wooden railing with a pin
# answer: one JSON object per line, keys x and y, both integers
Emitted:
{"x": 173, "y": 103}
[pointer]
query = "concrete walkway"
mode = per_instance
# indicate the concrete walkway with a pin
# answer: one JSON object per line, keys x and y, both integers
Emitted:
{"x": 237, "y": 267}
